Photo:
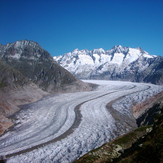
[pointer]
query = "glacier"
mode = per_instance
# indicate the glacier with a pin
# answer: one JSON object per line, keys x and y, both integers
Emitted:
{"x": 63, "y": 127}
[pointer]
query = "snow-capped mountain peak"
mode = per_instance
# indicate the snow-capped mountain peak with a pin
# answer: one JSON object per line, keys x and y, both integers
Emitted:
{"x": 98, "y": 51}
{"x": 119, "y": 49}
{"x": 117, "y": 63}
{"x": 75, "y": 50}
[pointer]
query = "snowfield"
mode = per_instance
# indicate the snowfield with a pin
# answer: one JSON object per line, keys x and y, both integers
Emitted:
{"x": 63, "y": 127}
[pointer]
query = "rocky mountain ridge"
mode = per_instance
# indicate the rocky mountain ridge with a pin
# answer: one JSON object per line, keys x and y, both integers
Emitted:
{"x": 119, "y": 63}
{"x": 35, "y": 63}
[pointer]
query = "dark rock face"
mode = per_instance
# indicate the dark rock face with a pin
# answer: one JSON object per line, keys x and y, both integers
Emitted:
{"x": 36, "y": 64}
{"x": 10, "y": 77}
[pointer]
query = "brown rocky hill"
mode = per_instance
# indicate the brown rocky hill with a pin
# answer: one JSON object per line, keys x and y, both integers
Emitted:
{"x": 37, "y": 65}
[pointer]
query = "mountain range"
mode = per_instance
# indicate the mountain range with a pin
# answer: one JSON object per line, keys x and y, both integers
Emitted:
{"x": 119, "y": 63}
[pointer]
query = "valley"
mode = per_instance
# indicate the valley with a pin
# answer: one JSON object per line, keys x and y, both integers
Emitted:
{"x": 81, "y": 81}
{"x": 64, "y": 126}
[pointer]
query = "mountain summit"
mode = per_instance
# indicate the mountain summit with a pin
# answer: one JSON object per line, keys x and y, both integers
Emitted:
{"x": 36, "y": 64}
{"x": 118, "y": 63}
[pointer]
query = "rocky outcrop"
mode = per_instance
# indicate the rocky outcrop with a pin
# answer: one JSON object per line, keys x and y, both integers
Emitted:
{"x": 142, "y": 108}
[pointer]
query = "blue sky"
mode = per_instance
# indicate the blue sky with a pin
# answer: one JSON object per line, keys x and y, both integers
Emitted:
{"x": 60, "y": 26}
